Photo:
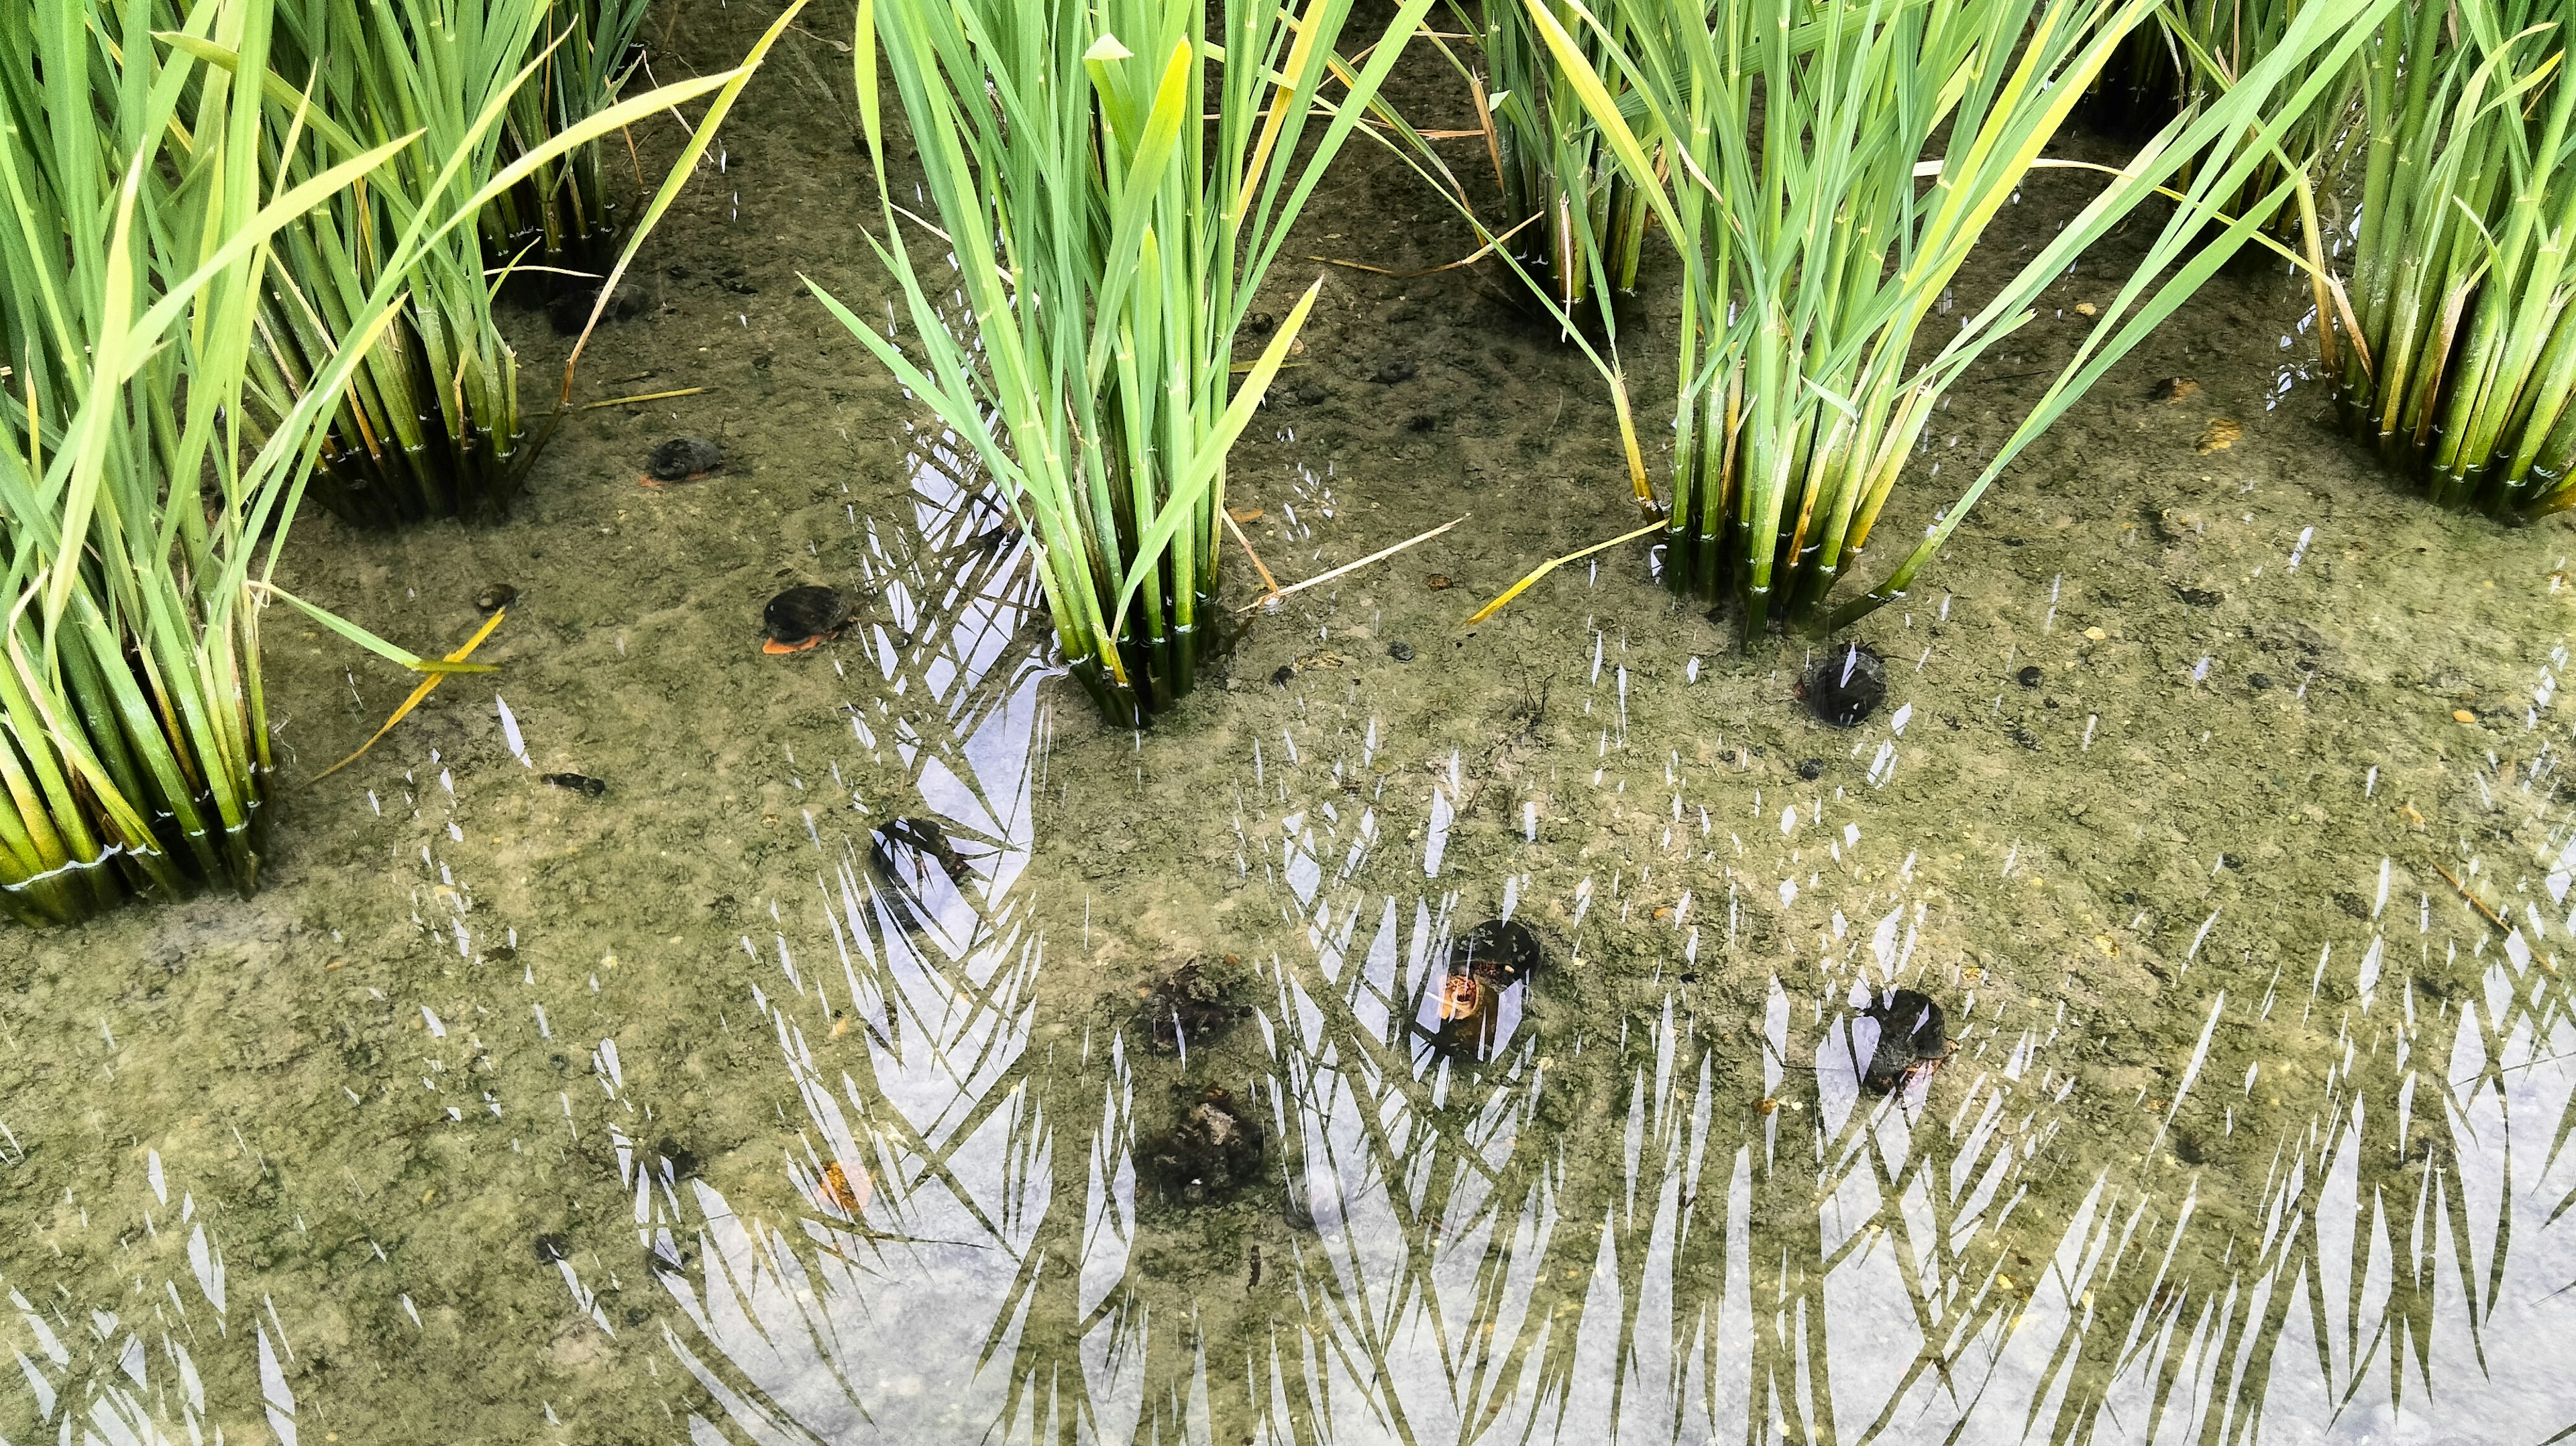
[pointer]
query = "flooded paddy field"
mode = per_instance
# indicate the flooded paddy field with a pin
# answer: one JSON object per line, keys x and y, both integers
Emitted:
{"x": 2215, "y": 798}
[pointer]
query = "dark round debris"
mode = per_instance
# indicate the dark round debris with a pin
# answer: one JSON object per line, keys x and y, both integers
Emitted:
{"x": 2028, "y": 677}
{"x": 1399, "y": 370}
{"x": 683, "y": 459}
{"x": 1811, "y": 769}
{"x": 2259, "y": 680}
{"x": 1188, "y": 1007}
{"x": 1259, "y": 323}
{"x": 575, "y": 782}
{"x": 1846, "y": 684}
{"x": 803, "y": 616}
{"x": 1912, "y": 1036}
{"x": 1402, "y": 652}
{"x": 684, "y": 1161}
{"x": 1215, "y": 1151}
{"x": 551, "y": 1248}
{"x": 1286, "y": 672}
{"x": 570, "y": 310}
{"x": 496, "y": 597}
{"x": 2200, "y": 597}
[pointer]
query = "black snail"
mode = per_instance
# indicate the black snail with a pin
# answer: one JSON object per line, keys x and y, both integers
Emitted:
{"x": 1845, "y": 685}
{"x": 801, "y": 618}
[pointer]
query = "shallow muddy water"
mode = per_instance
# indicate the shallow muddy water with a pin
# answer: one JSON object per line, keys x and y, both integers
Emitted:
{"x": 518, "y": 1112}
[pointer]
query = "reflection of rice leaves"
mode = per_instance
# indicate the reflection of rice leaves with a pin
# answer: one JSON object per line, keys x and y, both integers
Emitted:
{"x": 1509, "y": 1156}
{"x": 2371, "y": 1189}
{"x": 947, "y": 1017}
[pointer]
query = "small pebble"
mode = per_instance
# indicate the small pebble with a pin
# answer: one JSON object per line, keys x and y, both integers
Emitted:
{"x": 2463, "y": 715}
{"x": 2259, "y": 680}
{"x": 2028, "y": 677}
{"x": 496, "y": 597}
{"x": 1400, "y": 651}
{"x": 1436, "y": 581}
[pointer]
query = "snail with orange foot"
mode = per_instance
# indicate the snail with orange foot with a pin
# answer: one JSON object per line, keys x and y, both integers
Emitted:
{"x": 802, "y": 618}
{"x": 1486, "y": 965}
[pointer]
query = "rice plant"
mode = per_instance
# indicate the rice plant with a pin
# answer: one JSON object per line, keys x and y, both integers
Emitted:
{"x": 2460, "y": 278}
{"x": 1785, "y": 146}
{"x": 1109, "y": 244}
{"x": 559, "y": 226}
{"x": 131, "y": 261}
{"x": 431, "y": 428}
{"x": 145, "y": 493}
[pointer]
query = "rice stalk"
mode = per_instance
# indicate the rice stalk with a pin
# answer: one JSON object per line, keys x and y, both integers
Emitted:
{"x": 1108, "y": 242}
{"x": 559, "y": 226}
{"x": 1784, "y": 145}
{"x": 1551, "y": 163}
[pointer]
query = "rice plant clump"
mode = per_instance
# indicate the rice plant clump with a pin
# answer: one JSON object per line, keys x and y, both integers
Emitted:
{"x": 2460, "y": 279}
{"x": 559, "y": 228}
{"x": 135, "y": 752}
{"x": 1825, "y": 168}
{"x": 1577, "y": 224}
{"x": 431, "y": 428}
{"x": 1109, "y": 185}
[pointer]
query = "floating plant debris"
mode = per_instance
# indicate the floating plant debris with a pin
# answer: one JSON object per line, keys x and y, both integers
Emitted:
{"x": 2219, "y": 435}
{"x": 682, "y": 459}
{"x": 1913, "y": 1037}
{"x": 576, "y": 782}
{"x": 843, "y": 1189}
{"x": 906, "y": 849}
{"x": 1846, "y": 685}
{"x": 802, "y": 617}
{"x": 496, "y": 597}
